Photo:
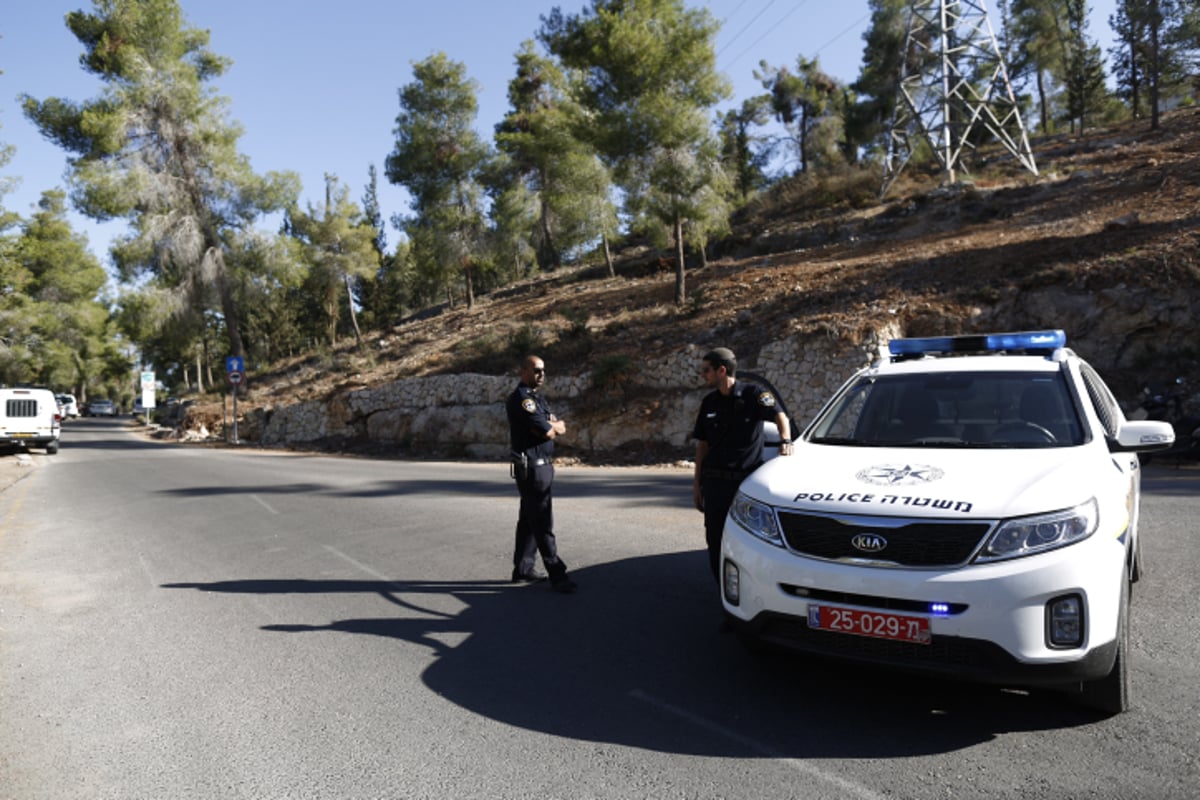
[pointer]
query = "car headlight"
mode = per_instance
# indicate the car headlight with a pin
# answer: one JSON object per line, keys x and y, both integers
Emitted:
{"x": 757, "y": 518}
{"x": 1029, "y": 535}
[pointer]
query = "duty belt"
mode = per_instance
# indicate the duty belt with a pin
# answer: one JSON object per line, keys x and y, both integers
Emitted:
{"x": 532, "y": 462}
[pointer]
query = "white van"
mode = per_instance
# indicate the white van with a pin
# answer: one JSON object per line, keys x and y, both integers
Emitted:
{"x": 30, "y": 418}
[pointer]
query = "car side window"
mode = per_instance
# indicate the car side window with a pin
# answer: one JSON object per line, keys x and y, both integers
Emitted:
{"x": 1102, "y": 400}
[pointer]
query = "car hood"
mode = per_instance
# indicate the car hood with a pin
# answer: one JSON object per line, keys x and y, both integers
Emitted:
{"x": 942, "y": 483}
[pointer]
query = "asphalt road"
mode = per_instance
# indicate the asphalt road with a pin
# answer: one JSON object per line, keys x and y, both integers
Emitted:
{"x": 228, "y": 623}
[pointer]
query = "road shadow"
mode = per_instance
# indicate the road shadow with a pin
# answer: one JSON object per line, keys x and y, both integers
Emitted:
{"x": 635, "y": 658}
{"x": 650, "y": 490}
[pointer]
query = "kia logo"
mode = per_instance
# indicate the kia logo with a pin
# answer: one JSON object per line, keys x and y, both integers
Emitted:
{"x": 869, "y": 542}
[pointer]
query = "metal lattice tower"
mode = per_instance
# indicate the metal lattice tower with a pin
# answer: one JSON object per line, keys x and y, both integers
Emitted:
{"x": 953, "y": 83}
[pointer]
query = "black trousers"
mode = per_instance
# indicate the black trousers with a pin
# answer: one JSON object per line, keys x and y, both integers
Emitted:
{"x": 535, "y": 524}
{"x": 718, "y": 494}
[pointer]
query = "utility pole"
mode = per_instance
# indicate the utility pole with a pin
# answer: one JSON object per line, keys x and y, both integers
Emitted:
{"x": 953, "y": 88}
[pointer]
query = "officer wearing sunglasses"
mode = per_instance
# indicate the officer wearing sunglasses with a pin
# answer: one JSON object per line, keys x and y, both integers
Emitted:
{"x": 532, "y": 430}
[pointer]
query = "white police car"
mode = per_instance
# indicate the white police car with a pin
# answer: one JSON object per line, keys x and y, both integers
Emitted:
{"x": 968, "y": 507}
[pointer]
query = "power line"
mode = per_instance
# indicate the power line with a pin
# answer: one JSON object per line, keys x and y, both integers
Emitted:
{"x": 816, "y": 52}
{"x": 734, "y": 12}
{"x": 769, "y": 31}
{"x": 853, "y": 25}
{"x": 747, "y": 25}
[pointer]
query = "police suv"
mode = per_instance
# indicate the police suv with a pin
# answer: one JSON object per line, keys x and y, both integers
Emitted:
{"x": 967, "y": 507}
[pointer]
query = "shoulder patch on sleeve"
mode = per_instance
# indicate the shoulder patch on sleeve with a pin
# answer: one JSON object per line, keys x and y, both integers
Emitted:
{"x": 529, "y": 405}
{"x": 767, "y": 400}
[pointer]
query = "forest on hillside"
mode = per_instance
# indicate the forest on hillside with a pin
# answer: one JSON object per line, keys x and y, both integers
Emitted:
{"x": 611, "y": 137}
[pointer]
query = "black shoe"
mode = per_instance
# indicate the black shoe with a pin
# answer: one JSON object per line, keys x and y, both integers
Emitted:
{"x": 564, "y": 586}
{"x": 527, "y": 577}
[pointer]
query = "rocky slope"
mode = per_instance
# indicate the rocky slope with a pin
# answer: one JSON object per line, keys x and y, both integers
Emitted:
{"x": 1113, "y": 215}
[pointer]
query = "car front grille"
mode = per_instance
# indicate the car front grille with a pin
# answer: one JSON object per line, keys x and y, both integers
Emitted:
{"x": 909, "y": 543}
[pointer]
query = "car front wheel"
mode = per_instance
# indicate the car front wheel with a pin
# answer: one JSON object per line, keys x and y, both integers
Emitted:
{"x": 1111, "y": 693}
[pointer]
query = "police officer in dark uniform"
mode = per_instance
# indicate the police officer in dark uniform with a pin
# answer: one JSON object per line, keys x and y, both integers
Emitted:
{"x": 533, "y": 429}
{"x": 729, "y": 442}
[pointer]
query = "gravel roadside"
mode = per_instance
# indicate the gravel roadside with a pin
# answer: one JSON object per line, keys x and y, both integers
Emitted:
{"x": 15, "y": 466}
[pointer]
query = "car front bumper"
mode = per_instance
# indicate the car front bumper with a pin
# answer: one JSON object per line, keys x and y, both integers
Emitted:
{"x": 998, "y": 632}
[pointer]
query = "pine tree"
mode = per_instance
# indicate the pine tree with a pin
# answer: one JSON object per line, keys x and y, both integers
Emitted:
{"x": 340, "y": 248}
{"x": 157, "y": 148}
{"x": 1083, "y": 67}
{"x": 650, "y": 80}
{"x": 541, "y": 136}
{"x": 439, "y": 158}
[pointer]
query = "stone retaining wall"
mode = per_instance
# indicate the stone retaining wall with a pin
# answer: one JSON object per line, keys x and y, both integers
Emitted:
{"x": 463, "y": 415}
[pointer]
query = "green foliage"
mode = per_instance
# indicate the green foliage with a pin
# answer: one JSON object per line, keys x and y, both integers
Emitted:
{"x": 339, "y": 246}
{"x": 523, "y": 341}
{"x": 578, "y": 319}
{"x": 1083, "y": 68}
{"x": 803, "y": 102}
{"x": 439, "y": 159}
{"x": 868, "y": 118}
{"x": 612, "y": 373}
{"x": 157, "y": 149}
{"x": 745, "y": 156}
{"x": 54, "y": 329}
{"x": 647, "y": 75}
{"x": 542, "y": 138}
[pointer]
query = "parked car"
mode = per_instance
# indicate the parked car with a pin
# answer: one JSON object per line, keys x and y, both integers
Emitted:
{"x": 70, "y": 407}
{"x": 29, "y": 417}
{"x": 102, "y": 408}
{"x": 138, "y": 408}
{"x": 967, "y": 507}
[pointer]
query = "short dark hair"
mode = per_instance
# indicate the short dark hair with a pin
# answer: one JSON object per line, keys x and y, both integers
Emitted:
{"x": 722, "y": 357}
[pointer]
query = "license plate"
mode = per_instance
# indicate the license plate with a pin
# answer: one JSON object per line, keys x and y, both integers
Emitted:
{"x": 876, "y": 624}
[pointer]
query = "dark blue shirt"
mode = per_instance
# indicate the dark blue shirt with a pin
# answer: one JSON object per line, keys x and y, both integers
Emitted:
{"x": 732, "y": 426}
{"x": 529, "y": 422}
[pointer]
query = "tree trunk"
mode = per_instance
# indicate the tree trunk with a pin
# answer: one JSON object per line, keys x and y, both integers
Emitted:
{"x": 680, "y": 289}
{"x": 228, "y": 307}
{"x": 549, "y": 249}
{"x": 353, "y": 316}
{"x": 804, "y": 139}
{"x": 470, "y": 284}
{"x": 1135, "y": 89}
{"x": 1043, "y": 102}
{"x": 1155, "y": 62}
{"x": 608, "y": 259}
{"x": 199, "y": 372}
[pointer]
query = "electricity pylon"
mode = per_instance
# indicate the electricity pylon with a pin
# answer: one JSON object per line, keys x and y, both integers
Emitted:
{"x": 953, "y": 81}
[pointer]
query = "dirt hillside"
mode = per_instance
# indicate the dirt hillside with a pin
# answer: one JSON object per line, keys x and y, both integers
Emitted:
{"x": 1117, "y": 206}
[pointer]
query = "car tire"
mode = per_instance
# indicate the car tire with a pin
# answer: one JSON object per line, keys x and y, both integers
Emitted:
{"x": 1139, "y": 567}
{"x": 51, "y": 448}
{"x": 1110, "y": 694}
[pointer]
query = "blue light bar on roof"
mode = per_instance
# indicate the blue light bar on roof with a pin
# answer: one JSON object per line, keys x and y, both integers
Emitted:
{"x": 1045, "y": 341}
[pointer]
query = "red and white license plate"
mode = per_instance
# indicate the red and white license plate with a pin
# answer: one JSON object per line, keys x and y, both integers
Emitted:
{"x": 876, "y": 624}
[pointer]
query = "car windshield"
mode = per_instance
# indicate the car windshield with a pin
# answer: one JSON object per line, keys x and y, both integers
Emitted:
{"x": 961, "y": 409}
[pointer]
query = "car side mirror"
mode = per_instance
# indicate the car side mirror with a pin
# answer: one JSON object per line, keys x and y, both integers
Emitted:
{"x": 1142, "y": 436}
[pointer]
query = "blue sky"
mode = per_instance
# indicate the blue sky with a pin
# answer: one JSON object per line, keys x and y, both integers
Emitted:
{"x": 314, "y": 83}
